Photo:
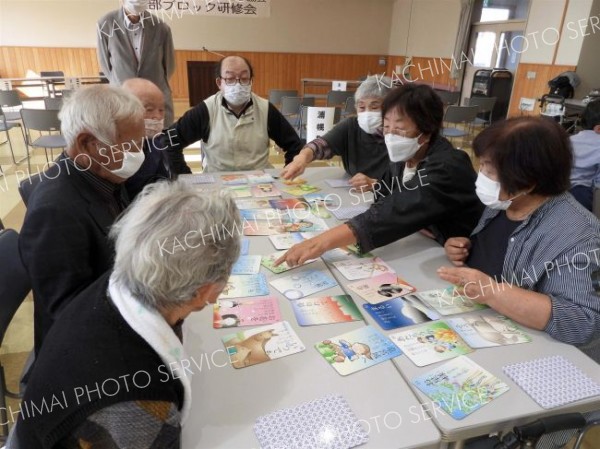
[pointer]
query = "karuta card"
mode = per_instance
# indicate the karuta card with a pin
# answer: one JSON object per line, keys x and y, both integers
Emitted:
{"x": 447, "y": 301}
{"x": 288, "y": 204}
{"x": 395, "y": 313}
{"x": 263, "y": 214}
{"x": 246, "y": 265}
{"x": 301, "y": 190}
{"x": 430, "y": 343}
{"x": 264, "y": 190}
{"x": 262, "y": 344}
{"x": 355, "y": 269}
{"x": 304, "y": 283}
{"x": 232, "y": 180}
{"x": 488, "y": 328}
{"x": 269, "y": 260}
{"x": 294, "y": 182}
{"x": 246, "y": 312}
{"x": 285, "y": 241}
{"x": 264, "y": 227}
{"x": 240, "y": 191}
{"x": 260, "y": 178}
{"x": 322, "y": 199}
{"x": 460, "y": 386}
{"x": 325, "y": 310}
{"x": 241, "y": 286}
{"x": 357, "y": 350}
{"x": 381, "y": 288}
{"x": 252, "y": 204}
{"x": 244, "y": 247}
{"x": 201, "y": 178}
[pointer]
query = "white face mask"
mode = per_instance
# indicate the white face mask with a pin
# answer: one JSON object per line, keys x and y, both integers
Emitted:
{"x": 236, "y": 95}
{"x": 369, "y": 121}
{"x": 132, "y": 161}
{"x": 401, "y": 149}
{"x": 488, "y": 192}
{"x": 136, "y": 6}
{"x": 153, "y": 127}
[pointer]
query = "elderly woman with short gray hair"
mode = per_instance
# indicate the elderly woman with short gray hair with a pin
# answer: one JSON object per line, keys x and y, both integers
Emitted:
{"x": 357, "y": 140}
{"x": 113, "y": 364}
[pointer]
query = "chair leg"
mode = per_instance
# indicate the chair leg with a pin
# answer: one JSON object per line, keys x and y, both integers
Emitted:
{"x": 3, "y": 411}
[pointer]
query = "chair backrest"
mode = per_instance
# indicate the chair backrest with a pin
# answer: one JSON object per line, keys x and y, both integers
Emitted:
{"x": 338, "y": 97}
{"x": 275, "y": 95}
{"x": 9, "y": 98}
{"x": 53, "y": 103}
{"x": 291, "y": 105}
{"x": 448, "y": 97}
{"x": 485, "y": 104}
{"x": 350, "y": 106}
{"x": 40, "y": 119}
{"x": 14, "y": 280}
{"x": 308, "y": 101}
{"x": 461, "y": 114}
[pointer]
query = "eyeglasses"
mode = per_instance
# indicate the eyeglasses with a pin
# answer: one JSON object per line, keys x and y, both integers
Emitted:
{"x": 245, "y": 81}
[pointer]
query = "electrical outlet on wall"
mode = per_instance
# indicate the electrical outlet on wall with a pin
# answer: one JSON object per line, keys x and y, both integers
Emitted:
{"x": 526, "y": 104}
{"x": 531, "y": 75}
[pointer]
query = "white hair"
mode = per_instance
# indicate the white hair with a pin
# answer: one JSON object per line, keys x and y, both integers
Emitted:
{"x": 171, "y": 241}
{"x": 97, "y": 110}
{"x": 373, "y": 87}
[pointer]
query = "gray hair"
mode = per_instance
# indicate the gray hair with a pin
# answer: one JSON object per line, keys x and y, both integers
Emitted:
{"x": 98, "y": 110}
{"x": 173, "y": 240}
{"x": 373, "y": 87}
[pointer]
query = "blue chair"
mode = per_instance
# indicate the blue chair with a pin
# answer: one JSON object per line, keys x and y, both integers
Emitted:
{"x": 459, "y": 115}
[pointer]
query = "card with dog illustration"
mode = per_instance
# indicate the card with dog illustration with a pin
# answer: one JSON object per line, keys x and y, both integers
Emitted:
{"x": 262, "y": 344}
{"x": 357, "y": 350}
{"x": 246, "y": 312}
{"x": 381, "y": 288}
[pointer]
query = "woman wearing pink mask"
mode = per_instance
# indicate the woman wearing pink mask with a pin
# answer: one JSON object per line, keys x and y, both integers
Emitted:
{"x": 533, "y": 253}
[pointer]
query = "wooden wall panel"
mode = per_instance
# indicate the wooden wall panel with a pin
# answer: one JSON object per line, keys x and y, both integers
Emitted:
{"x": 532, "y": 88}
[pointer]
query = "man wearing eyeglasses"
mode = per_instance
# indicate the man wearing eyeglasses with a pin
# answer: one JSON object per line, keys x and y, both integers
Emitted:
{"x": 234, "y": 124}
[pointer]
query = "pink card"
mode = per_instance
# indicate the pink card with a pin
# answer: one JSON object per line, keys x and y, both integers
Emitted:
{"x": 246, "y": 312}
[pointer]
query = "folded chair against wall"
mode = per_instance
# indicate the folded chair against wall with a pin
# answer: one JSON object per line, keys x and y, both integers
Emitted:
{"x": 275, "y": 96}
{"x": 42, "y": 120}
{"x": 5, "y": 127}
{"x": 486, "y": 106}
{"x": 338, "y": 97}
{"x": 459, "y": 115}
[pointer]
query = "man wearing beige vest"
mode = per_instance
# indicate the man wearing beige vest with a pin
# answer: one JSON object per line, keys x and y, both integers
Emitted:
{"x": 234, "y": 125}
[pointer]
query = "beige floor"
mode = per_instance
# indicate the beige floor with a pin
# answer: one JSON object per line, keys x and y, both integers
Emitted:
{"x": 18, "y": 340}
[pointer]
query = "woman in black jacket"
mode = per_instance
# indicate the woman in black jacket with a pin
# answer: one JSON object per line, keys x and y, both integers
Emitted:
{"x": 430, "y": 185}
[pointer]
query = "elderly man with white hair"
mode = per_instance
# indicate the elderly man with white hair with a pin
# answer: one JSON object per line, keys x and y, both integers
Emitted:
{"x": 64, "y": 239}
{"x": 114, "y": 359}
{"x": 357, "y": 140}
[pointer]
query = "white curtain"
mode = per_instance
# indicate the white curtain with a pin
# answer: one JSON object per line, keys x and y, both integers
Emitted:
{"x": 462, "y": 38}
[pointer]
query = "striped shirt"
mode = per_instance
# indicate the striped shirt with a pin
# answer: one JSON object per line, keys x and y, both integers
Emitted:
{"x": 554, "y": 252}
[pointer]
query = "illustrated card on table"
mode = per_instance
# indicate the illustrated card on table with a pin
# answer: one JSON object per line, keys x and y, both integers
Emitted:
{"x": 241, "y": 286}
{"x": 262, "y": 344}
{"x": 325, "y": 310}
{"x": 357, "y": 350}
{"x": 355, "y": 269}
{"x": 280, "y": 226}
{"x": 395, "y": 313}
{"x": 246, "y": 312}
{"x": 252, "y": 203}
{"x": 320, "y": 199}
{"x": 260, "y": 178}
{"x": 244, "y": 247}
{"x": 381, "y": 288}
{"x": 488, "y": 328}
{"x": 304, "y": 283}
{"x": 430, "y": 343}
{"x": 269, "y": 260}
{"x": 301, "y": 190}
{"x": 234, "y": 179}
{"x": 460, "y": 386}
{"x": 294, "y": 182}
{"x": 240, "y": 191}
{"x": 200, "y": 178}
{"x": 286, "y": 241}
{"x": 246, "y": 265}
{"x": 288, "y": 204}
{"x": 264, "y": 214}
{"x": 447, "y": 301}
{"x": 264, "y": 190}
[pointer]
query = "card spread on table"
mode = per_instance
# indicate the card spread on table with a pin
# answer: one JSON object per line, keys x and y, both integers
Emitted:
{"x": 430, "y": 343}
{"x": 288, "y": 204}
{"x": 301, "y": 190}
{"x": 395, "y": 313}
{"x": 294, "y": 182}
{"x": 303, "y": 283}
{"x": 357, "y": 350}
{"x": 262, "y": 344}
{"x": 286, "y": 241}
{"x": 235, "y": 179}
{"x": 381, "y": 288}
{"x": 348, "y": 212}
{"x": 240, "y": 191}
{"x": 201, "y": 178}
{"x": 325, "y": 310}
{"x": 246, "y": 265}
{"x": 264, "y": 214}
{"x": 246, "y": 312}
{"x": 335, "y": 183}
{"x": 488, "y": 328}
{"x": 264, "y": 190}
{"x": 244, "y": 247}
{"x": 280, "y": 226}
{"x": 460, "y": 386}
{"x": 240, "y": 286}
{"x": 251, "y": 203}
{"x": 447, "y": 301}
{"x": 260, "y": 178}
{"x": 268, "y": 262}
{"x": 325, "y": 423}
{"x": 552, "y": 381}
{"x": 355, "y": 269}
{"x": 320, "y": 199}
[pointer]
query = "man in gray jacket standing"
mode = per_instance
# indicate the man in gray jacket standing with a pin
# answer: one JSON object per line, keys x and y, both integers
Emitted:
{"x": 132, "y": 43}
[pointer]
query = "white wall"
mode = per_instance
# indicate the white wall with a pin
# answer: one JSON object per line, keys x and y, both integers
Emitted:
{"x": 574, "y": 32}
{"x": 400, "y": 27}
{"x": 544, "y": 18}
{"x": 297, "y": 26}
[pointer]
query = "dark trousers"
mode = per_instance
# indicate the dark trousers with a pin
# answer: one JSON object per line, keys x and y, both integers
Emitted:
{"x": 583, "y": 194}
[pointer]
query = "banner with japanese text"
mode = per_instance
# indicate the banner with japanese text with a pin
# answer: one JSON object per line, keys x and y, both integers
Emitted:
{"x": 215, "y": 8}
